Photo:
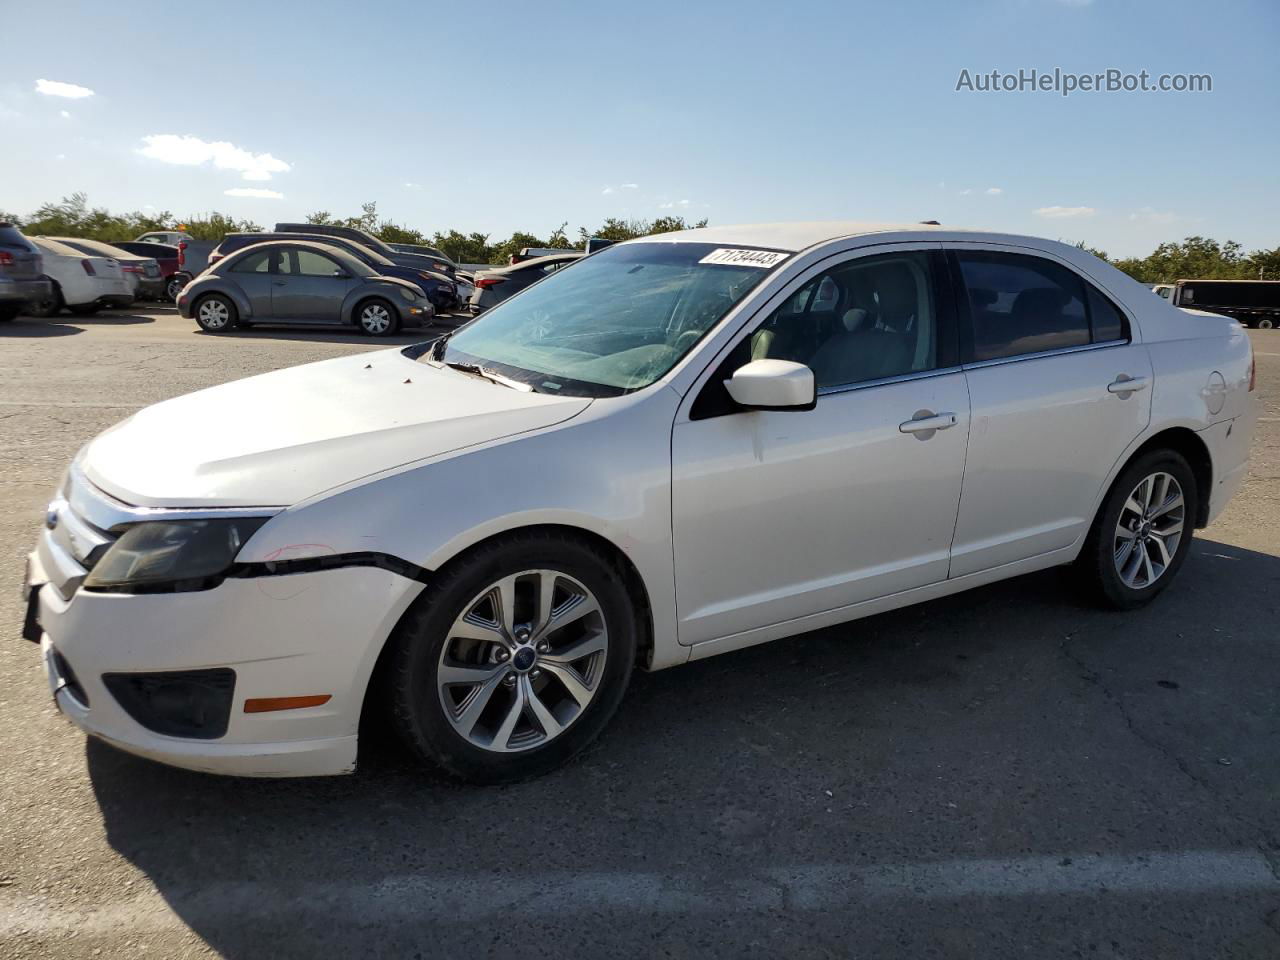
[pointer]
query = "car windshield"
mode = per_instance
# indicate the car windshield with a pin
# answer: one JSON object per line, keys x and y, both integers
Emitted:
{"x": 615, "y": 322}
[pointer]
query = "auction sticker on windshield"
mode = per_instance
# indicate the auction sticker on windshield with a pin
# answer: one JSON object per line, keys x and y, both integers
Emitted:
{"x": 745, "y": 258}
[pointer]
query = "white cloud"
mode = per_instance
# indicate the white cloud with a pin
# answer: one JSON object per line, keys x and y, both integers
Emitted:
{"x": 672, "y": 204}
{"x": 65, "y": 114}
{"x": 191, "y": 151}
{"x": 254, "y": 192}
{"x": 54, "y": 88}
{"x": 606, "y": 191}
{"x": 630, "y": 186}
{"x": 410, "y": 185}
{"x": 994, "y": 191}
{"x": 61, "y": 156}
{"x": 622, "y": 186}
{"x": 966, "y": 192}
{"x": 1063, "y": 213}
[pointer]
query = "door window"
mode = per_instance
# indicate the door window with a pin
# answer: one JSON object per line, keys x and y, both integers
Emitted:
{"x": 255, "y": 262}
{"x": 867, "y": 319}
{"x": 1020, "y": 304}
{"x": 308, "y": 263}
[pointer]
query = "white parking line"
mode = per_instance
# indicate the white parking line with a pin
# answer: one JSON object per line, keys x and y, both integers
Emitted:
{"x": 469, "y": 898}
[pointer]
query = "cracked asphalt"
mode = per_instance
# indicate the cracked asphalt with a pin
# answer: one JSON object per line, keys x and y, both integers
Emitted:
{"x": 1002, "y": 773}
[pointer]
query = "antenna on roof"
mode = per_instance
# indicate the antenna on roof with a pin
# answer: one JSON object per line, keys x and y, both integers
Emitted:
{"x": 931, "y": 223}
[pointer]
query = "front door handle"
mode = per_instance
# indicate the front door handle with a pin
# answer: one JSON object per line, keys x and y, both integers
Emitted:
{"x": 277, "y": 283}
{"x": 925, "y": 423}
{"x": 1125, "y": 385}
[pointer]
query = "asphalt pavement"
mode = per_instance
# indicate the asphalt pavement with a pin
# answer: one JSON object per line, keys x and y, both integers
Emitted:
{"x": 1003, "y": 773}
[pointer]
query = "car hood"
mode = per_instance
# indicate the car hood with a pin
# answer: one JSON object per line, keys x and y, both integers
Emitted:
{"x": 279, "y": 438}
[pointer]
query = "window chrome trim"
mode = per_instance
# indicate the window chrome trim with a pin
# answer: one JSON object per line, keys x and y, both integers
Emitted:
{"x": 883, "y": 381}
{"x": 1060, "y": 351}
{"x": 105, "y": 512}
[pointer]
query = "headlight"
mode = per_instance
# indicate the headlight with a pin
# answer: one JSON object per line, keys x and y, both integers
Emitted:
{"x": 408, "y": 294}
{"x": 181, "y": 554}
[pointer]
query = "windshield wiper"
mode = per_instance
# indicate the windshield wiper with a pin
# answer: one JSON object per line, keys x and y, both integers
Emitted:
{"x": 493, "y": 375}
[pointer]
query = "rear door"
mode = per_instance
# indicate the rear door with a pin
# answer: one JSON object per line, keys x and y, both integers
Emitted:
{"x": 1047, "y": 356}
{"x": 309, "y": 286}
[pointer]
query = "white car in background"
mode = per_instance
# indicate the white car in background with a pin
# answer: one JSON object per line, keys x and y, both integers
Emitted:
{"x": 82, "y": 283}
{"x": 685, "y": 445}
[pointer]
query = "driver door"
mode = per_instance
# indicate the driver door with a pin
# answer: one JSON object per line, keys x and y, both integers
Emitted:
{"x": 778, "y": 515}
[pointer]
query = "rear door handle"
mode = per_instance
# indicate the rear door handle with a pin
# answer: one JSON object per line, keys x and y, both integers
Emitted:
{"x": 1125, "y": 384}
{"x": 925, "y": 423}
{"x": 277, "y": 283}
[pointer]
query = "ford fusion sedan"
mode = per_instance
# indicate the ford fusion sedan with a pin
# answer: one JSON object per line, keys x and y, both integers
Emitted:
{"x": 300, "y": 282}
{"x": 682, "y": 446}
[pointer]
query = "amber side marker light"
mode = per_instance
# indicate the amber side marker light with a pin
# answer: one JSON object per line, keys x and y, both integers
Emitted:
{"x": 268, "y": 704}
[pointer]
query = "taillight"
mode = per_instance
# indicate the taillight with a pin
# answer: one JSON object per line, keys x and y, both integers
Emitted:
{"x": 485, "y": 282}
{"x": 88, "y": 268}
{"x": 127, "y": 269}
{"x": 182, "y": 252}
{"x": 6, "y": 258}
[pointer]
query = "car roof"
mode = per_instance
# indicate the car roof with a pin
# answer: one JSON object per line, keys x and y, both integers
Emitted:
{"x": 53, "y": 246}
{"x": 535, "y": 261}
{"x": 801, "y": 235}
{"x": 97, "y": 245}
{"x": 326, "y": 248}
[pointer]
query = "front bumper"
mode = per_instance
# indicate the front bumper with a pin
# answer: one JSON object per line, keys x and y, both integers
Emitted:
{"x": 25, "y": 290}
{"x": 287, "y": 636}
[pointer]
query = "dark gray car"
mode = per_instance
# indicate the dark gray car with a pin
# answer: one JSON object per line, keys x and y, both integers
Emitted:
{"x": 22, "y": 277}
{"x": 300, "y": 282}
{"x": 494, "y": 286}
{"x": 417, "y": 261}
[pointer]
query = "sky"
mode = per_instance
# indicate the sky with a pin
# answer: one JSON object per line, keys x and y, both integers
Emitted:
{"x": 497, "y": 116}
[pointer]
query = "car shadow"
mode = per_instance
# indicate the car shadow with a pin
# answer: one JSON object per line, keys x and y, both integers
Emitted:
{"x": 68, "y": 324}
{"x": 1011, "y": 720}
{"x": 326, "y": 334}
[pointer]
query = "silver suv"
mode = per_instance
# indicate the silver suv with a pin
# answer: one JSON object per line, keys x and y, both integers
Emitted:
{"x": 22, "y": 276}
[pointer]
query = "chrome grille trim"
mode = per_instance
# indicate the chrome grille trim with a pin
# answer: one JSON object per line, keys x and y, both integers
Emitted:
{"x": 105, "y": 512}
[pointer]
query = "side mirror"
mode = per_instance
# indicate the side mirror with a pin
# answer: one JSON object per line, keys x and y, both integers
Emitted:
{"x": 773, "y": 385}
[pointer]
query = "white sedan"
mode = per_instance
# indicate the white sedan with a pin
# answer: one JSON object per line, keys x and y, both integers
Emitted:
{"x": 83, "y": 283}
{"x": 685, "y": 445}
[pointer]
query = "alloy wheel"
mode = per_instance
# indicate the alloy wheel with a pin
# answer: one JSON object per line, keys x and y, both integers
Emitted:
{"x": 523, "y": 661}
{"x": 1149, "y": 530}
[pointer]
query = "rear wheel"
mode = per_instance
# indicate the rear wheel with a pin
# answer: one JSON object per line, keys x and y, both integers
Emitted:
{"x": 215, "y": 313}
{"x": 1143, "y": 531}
{"x": 377, "y": 318}
{"x": 49, "y": 306}
{"x": 1266, "y": 323}
{"x": 173, "y": 287}
{"x": 514, "y": 658}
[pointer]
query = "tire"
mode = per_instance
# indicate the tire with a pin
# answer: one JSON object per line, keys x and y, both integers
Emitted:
{"x": 1266, "y": 323}
{"x": 51, "y": 306}
{"x": 1124, "y": 572}
{"x": 427, "y": 648}
{"x": 173, "y": 287}
{"x": 9, "y": 311}
{"x": 377, "y": 317}
{"x": 85, "y": 309}
{"x": 215, "y": 313}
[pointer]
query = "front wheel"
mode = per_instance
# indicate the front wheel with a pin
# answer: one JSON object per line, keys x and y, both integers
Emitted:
{"x": 1143, "y": 531}
{"x": 377, "y": 318}
{"x": 215, "y": 313}
{"x": 514, "y": 658}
